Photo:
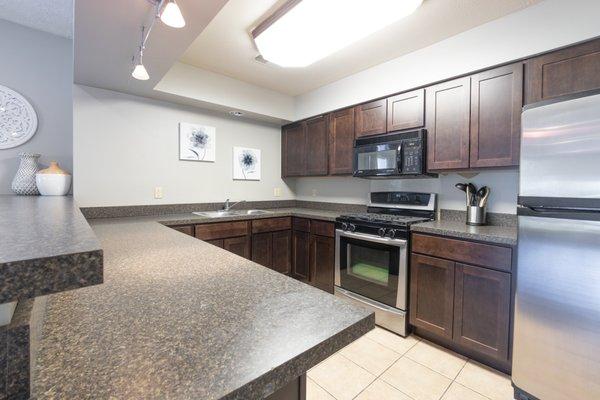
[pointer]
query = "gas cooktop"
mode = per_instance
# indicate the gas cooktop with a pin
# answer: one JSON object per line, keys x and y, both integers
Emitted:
{"x": 392, "y": 219}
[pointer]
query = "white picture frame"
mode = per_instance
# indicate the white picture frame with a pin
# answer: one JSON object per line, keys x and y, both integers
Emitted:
{"x": 246, "y": 164}
{"x": 197, "y": 142}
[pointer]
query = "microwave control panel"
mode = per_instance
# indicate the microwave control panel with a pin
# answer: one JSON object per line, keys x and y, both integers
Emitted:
{"x": 412, "y": 156}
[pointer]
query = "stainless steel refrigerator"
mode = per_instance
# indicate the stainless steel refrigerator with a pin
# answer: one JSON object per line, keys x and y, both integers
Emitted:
{"x": 556, "y": 349}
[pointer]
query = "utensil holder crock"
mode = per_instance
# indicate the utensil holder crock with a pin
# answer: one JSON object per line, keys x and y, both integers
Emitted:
{"x": 476, "y": 215}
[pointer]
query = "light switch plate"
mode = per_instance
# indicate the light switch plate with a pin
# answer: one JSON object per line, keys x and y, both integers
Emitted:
{"x": 277, "y": 192}
{"x": 158, "y": 192}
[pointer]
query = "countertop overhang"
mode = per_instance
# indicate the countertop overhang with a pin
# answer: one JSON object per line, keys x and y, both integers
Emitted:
{"x": 46, "y": 246}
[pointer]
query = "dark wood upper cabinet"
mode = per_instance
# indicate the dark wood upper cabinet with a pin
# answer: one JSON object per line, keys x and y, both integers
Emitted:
{"x": 482, "y": 310}
{"x": 317, "y": 130}
{"x": 406, "y": 110}
{"x": 432, "y": 294}
{"x": 567, "y": 71}
{"x": 238, "y": 245}
{"x": 322, "y": 262}
{"x": 341, "y": 141}
{"x": 370, "y": 118}
{"x": 300, "y": 255}
{"x": 496, "y": 103}
{"x": 447, "y": 121}
{"x": 293, "y": 150}
{"x": 282, "y": 252}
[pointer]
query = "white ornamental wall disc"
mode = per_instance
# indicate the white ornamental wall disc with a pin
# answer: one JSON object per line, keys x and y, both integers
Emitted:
{"x": 18, "y": 120}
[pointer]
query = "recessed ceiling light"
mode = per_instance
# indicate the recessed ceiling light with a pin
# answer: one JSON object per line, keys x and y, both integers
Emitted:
{"x": 236, "y": 113}
{"x": 302, "y": 32}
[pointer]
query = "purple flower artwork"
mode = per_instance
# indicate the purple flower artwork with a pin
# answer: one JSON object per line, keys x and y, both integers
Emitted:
{"x": 196, "y": 142}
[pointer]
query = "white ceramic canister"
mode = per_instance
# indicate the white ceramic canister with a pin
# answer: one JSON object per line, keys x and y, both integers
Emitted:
{"x": 53, "y": 181}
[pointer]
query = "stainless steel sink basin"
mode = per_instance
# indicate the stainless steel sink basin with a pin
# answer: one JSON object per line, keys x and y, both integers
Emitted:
{"x": 230, "y": 213}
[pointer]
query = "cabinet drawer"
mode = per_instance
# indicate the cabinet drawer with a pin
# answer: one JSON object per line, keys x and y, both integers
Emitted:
{"x": 271, "y": 224}
{"x": 485, "y": 255}
{"x": 221, "y": 230}
{"x": 322, "y": 228}
{"x": 301, "y": 224}
{"x": 187, "y": 229}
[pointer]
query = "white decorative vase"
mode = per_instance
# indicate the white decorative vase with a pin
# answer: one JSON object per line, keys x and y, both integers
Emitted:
{"x": 24, "y": 181}
{"x": 53, "y": 181}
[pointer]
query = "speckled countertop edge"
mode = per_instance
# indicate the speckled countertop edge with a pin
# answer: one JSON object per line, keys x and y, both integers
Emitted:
{"x": 504, "y": 235}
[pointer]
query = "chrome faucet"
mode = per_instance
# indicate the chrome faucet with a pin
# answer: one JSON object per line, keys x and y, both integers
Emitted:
{"x": 228, "y": 206}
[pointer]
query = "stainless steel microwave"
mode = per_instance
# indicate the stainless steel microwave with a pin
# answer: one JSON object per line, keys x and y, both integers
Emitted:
{"x": 396, "y": 155}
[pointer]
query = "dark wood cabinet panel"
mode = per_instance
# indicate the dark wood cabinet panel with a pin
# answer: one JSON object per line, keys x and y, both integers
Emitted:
{"x": 187, "y": 229}
{"x": 341, "y": 142}
{"x": 370, "y": 118}
{"x": 317, "y": 138}
{"x": 282, "y": 251}
{"x": 322, "y": 228}
{"x": 271, "y": 224}
{"x": 293, "y": 150}
{"x": 432, "y": 294}
{"x": 301, "y": 255}
{"x": 406, "y": 110}
{"x": 447, "y": 121}
{"x": 222, "y": 230}
{"x": 482, "y": 310}
{"x": 238, "y": 245}
{"x": 567, "y": 71}
{"x": 322, "y": 260}
{"x": 485, "y": 255}
{"x": 262, "y": 249}
{"x": 216, "y": 242}
{"x": 301, "y": 224}
{"x": 496, "y": 102}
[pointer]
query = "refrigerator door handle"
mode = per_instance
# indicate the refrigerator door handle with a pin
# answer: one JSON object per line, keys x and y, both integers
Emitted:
{"x": 561, "y": 213}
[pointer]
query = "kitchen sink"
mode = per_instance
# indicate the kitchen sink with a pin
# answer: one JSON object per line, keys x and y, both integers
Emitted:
{"x": 230, "y": 213}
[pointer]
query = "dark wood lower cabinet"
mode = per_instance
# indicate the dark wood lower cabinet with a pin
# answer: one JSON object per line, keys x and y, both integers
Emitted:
{"x": 432, "y": 294}
{"x": 187, "y": 229}
{"x": 262, "y": 248}
{"x": 322, "y": 260}
{"x": 482, "y": 310}
{"x": 238, "y": 245}
{"x": 282, "y": 252}
{"x": 301, "y": 255}
{"x": 462, "y": 306}
{"x": 216, "y": 242}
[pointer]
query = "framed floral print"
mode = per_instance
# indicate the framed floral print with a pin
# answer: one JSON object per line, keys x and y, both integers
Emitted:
{"x": 246, "y": 164}
{"x": 197, "y": 142}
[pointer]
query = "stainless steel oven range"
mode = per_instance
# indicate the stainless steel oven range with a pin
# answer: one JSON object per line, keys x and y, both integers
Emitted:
{"x": 371, "y": 262}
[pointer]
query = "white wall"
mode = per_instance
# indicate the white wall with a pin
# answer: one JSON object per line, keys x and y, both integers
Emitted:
{"x": 544, "y": 26}
{"x": 125, "y": 146}
{"x": 39, "y": 66}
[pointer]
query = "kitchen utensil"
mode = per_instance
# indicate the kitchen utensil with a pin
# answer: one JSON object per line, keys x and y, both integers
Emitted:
{"x": 476, "y": 215}
{"x": 472, "y": 190}
{"x": 463, "y": 187}
{"x": 484, "y": 198}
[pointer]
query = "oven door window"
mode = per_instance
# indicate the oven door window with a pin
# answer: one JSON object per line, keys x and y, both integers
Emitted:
{"x": 370, "y": 269}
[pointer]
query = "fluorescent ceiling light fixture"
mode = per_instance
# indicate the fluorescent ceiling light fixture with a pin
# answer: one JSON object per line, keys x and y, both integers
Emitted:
{"x": 140, "y": 73}
{"x": 313, "y": 29}
{"x": 172, "y": 16}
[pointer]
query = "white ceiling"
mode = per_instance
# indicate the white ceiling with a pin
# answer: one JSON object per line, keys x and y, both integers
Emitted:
{"x": 225, "y": 46}
{"x": 52, "y": 16}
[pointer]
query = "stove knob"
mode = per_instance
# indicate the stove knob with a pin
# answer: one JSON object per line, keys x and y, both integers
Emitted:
{"x": 351, "y": 227}
{"x": 344, "y": 226}
{"x": 392, "y": 233}
{"x": 381, "y": 232}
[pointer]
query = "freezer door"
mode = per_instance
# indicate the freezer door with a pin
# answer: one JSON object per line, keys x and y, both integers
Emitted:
{"x": 560, "y": 149}
{"x": 556, "y": 351}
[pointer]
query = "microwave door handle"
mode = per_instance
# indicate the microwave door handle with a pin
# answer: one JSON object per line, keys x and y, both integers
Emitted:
{"x": 399, "y": 158}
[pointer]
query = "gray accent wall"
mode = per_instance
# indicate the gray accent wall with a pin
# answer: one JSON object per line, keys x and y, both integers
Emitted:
{"x": 38, "y": 65}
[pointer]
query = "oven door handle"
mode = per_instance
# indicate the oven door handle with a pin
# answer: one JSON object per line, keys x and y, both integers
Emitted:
{"x": 371, "y": 238}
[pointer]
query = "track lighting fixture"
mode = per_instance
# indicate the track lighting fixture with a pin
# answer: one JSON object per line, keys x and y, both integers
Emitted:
{"x": 171, "y": 15}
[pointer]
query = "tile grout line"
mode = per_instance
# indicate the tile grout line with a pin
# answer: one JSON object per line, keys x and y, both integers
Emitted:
{"x": 325, "y": 390}
{"x": 465, "y": 386}
{"x": 454, "y": 380}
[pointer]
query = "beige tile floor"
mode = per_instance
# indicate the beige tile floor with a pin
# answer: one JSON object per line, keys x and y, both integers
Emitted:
{"x": 382, "y": 365}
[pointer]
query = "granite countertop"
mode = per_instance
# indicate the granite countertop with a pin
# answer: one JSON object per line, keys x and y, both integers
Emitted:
{"x": 47, "y": 246}
{"x": 178, "y": 318}
{"x": 189, "y": 218}
{"x": 505, "y": 235}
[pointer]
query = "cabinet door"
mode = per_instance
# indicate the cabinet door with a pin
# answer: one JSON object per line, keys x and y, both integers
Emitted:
{"x": 238, "y": 245}
{"x": 282, "y": 252}
{"x": 341, "y": 142}
{"x": 317, "y": 145}
{"x": 482, "y": 310}
{"x": 216, "y": 242}
{"x": 262, "y": 249}
{"x": 406, "y": 110}
{"x": 447, "y": 120}
{"x": 322, "y": 260}
{"x": 370, "y": 118}
{"x": 496, "y": 102}
{"x": 293, "y": 150}
{"x": 300, "y": 255}
{"x": 572, "y": 70}
{"x": 432, "y": 294}
{"x": 187, "y": 229}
